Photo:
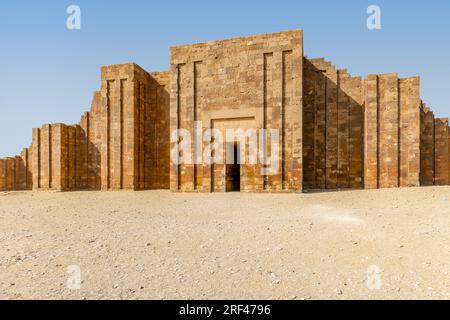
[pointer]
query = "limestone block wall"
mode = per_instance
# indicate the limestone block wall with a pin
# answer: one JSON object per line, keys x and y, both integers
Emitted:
{"x": 81, "y": 138}
{"x": 117, "y": 105}
{"x": 95, "y": 137}
{"x": 123, "y": 142}
{"x": 6, "y": 174}
{"x": 26, "y": 161}
{"x": 3, "y": 174}
{"x": 312, "y": 116}
{"x": 388, "y": 127}
{"x": 45, "y": 148}
{"x": 140, "y": 109}
{"x": 434, "y": 149}
{"x": 242, "y": 83}
{"x": 441, "y": 170}
{"x": 392, "y": 131}
{"x": 426, "y": 146}
{"x": 336, "y": 130}
{"x": 58, "y": 160}
{"x": 448, "y": 141}
{"x": 333, "y": 126}
{"x": 353, "y": 88}
{"x": 409, "y": 131}
{"x": 382, "y": 131}
{"x": 132, "y": 128}
{"x": 371, "y": 132}
{"x": 157, "y": 138}
{"x": 14, "y": 173}
{"x": 360, "y": 132}
{"x": 92, "y": 135}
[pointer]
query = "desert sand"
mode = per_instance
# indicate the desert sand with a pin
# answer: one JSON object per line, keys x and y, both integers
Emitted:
{"x": 376, "y": 244}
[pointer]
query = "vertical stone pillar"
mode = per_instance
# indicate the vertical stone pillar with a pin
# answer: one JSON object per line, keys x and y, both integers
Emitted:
{"x": 97, "y": 141}
{"x": 20, "y": 173}
{"x": 59, "y": 157}
{"x": 448, "y": 131}
{"x": 409, "y": 126}
{"x": 441, "y": 151}
{"x": 344, "y": 86}
{"x": 185, "y": 116}
{"x": 70, "y": 165}
{"x": 371, "y": 133}
{"x": 426, "y": 146}
{"x": 293, "y": 117}
{"x": 27, "y": 163}
{"x": 320, "y": 106}
{"x": 10, "y": 174}
{"x": 388, "y": 131}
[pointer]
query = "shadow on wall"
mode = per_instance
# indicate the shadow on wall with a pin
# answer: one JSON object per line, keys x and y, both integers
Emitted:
{"x": 333, "y": 127}
{"x": 371, "y": 133}
{"x": 15, "y": 173}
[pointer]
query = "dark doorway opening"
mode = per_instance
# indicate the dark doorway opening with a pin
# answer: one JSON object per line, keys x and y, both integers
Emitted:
{"x": 233, "y": 168}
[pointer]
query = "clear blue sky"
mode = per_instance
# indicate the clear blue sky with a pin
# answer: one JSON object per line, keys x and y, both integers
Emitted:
{"x": 48, "y": 73}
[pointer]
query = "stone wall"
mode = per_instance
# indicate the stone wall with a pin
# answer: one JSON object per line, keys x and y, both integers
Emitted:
{"x": 360, "y": 132}
{"x": 434, "y": 149}
{"x": 332, "y": 128}
{"x": 441, "y": 171}
{"x": 392, "y": 131}
{"x": 58, "y": 161}
{"x": 118, "y": 127}
{"x": 409, "y": 131}
{"x": 426, "y": 146}
{"x": 242, "y": 83}
{"x": 121, "y": 143}
{"x": 132, "y": 128}
{"x": 26, "y": 176}
{"x": 157, "y": 156}
{"x": 15, "y": 172}
{"x": 95, "y": 139}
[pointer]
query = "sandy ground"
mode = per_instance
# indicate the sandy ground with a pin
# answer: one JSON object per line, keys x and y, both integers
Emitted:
{"x": 386, "y": 244}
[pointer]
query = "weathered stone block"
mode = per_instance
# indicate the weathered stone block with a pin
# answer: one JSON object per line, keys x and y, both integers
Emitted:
{"x": 252, "y": 82}
{"x": 441, "y": 151}
{"x": 427, "y": 151}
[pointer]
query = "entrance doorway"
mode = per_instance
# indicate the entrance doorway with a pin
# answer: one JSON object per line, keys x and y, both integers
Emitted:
{"x": 233, "y": 168}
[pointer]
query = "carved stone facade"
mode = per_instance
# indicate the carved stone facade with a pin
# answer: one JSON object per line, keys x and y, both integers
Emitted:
{"x": 243, "y": 83}
{"x": 336, "y": 131}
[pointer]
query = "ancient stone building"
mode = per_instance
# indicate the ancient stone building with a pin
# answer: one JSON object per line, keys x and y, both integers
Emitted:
{"x": 334, "y": 130}
{"x": 244, "y": 83}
